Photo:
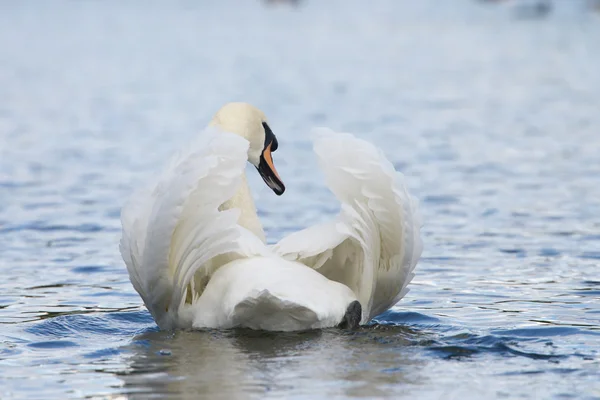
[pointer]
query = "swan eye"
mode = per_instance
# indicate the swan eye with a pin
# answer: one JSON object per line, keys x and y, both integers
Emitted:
{"x": 270, "y": 137}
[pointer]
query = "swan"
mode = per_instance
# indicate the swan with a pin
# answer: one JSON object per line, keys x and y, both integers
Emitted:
{"x": 196, "y": 252}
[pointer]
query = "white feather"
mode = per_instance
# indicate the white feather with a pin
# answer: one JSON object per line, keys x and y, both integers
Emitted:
{"x": 173, "y": 231}
{"x": 195, "y": 250}
{"x": 286, "y": 296}
{"x": 374, "y": 244}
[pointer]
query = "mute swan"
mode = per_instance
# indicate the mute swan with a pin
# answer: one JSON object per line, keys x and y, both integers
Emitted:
{"x": 195, "y": 249}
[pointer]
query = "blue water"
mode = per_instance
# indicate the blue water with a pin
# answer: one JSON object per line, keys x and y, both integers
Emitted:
{"x": 491, "y": 113}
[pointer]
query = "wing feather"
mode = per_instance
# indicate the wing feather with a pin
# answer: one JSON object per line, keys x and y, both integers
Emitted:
{"x": 374, "y": 244}
{"x": 173, "y": 231}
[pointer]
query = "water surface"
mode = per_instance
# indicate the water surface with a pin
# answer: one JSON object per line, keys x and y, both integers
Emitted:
{"x": 493, "y": 118}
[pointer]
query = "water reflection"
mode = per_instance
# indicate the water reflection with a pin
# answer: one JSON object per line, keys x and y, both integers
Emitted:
{"x": 236, "y": 364}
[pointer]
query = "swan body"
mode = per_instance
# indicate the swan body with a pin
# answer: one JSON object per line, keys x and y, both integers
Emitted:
{"x": 196, "y": 252}
{"x": 289, "y": 297}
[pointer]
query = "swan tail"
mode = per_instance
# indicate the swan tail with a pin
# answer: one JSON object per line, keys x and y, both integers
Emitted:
{"x": 173, "y": 228}
{"x": 264, "y": 310}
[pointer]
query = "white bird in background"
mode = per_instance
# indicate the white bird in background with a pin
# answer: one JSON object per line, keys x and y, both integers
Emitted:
{"x": 195, "y": 249}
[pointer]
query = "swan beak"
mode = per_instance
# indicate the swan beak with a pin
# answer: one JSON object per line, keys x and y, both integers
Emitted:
{"x": 267, "y": 170}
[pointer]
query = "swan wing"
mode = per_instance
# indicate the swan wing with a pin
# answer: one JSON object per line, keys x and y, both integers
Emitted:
{"x": 374, "y": 244}
{"x": 173, "y": 235}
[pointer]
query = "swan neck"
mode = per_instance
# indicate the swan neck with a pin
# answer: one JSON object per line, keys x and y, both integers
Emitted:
{"x": 243, "y": 200}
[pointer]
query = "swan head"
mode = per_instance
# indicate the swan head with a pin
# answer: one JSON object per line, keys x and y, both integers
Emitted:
{"x": 249, "y": 122}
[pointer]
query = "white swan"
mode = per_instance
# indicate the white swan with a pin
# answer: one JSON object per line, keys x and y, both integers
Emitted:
{"x": 195, "y": 249}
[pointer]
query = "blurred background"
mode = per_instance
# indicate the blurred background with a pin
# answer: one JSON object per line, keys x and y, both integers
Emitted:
{"x": 489, "y": 108}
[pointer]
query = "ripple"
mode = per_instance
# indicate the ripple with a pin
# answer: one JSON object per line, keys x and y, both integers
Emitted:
{"x": 592, "y": 255}
{"x": 87, "y": 269}
{"x": 516, "y": 251}
{"x": 547, "y": 252}
{"x": 405, "y": 318}
{"x": 543, "y": 331}
{"x": 104, "y": 353}
{"x": 440, "y": 199}
{"x": 84, "y": 323}
{"x": 44, "y": 227}
{"x": 559, "y": 371}
{"x": 591, "y": 282}
{"x": 53, "y": 344}
{"x": 468, "y": 345}
{"x": 41, "y": 205}
{"x": 137, "y": 317}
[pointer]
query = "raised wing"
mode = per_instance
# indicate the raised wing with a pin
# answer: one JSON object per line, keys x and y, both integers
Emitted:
{"x": 374, "y": 244}
{"x": 174, "y": 236}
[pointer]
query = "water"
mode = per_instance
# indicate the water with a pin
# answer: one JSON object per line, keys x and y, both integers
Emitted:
{"x": 492, "y": 116}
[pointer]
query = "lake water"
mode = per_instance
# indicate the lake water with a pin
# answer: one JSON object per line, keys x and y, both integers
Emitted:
{"x": 493, "y": 116}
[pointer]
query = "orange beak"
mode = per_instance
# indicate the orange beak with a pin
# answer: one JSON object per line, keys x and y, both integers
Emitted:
{"x": 267, "y": 170}
{"x": 269, "y": 159}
